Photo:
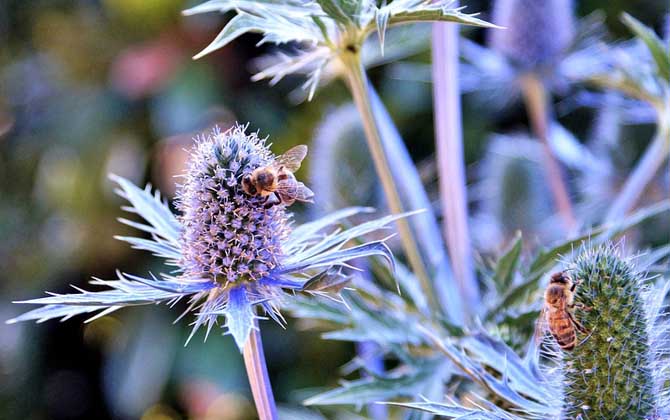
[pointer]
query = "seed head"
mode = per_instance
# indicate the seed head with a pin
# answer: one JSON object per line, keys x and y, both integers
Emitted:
{"x": 227, "y": 234}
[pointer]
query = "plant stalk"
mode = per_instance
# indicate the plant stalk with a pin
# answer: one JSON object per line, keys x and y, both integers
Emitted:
{"x": 535, "y": 96}
{"x": 649, "y": 164}
{"x": 257, "y": 372}
{"x": 358, "y": 84}
{"x": 450, "y": 165}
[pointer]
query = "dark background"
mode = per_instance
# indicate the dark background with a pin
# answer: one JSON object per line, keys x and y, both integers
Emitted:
{"x": 93, "y": 87}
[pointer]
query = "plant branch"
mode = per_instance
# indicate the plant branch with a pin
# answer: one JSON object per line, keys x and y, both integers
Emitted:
{"x": 358, "y": 84}
{"x": 450, "y": 165}
{"x": 254, "y": 361}
{"x": 535, "y": 96}
{"x": 644, "y": 171}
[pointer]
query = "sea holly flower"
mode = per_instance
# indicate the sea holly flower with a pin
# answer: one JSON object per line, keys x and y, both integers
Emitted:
{"x": 538, "y": 34}
{"x": 327, "y": 31}
{"x": 231, "y": 252}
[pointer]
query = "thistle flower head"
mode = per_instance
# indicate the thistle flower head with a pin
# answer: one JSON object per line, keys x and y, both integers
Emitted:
{"x": 618, "y": 368}
{"x": 537, "y": 31}
{"x": 511, "y": 198}
{"x": 227, "y": 234}
{"x": 232, "y": 252}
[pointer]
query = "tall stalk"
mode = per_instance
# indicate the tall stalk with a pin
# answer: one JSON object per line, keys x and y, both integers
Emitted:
{"x": 535, "y": 97}
{"x": 257, "y": 372}
{"x": 358, "y": 84}
{"x": 644, "y": 171}
{"x": 450, "y": 165}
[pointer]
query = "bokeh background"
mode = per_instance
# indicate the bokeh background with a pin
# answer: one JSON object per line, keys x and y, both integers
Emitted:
{"x": 93, "y": 87}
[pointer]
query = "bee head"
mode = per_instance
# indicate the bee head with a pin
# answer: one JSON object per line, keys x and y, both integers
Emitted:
{"x": 561, "y": 277}
{"x": 248, "y": 185}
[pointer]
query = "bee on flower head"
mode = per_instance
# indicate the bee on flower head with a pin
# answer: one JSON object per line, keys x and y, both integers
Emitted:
{"x": 558, "y": 310}
{"x": 233, "y": 256}
{"x": 277, "y": 182}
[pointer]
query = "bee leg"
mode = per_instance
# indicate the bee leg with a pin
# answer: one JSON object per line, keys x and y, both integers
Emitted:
{"x": 577, "y": 324}
{"x": 271, "y": 200}
{"x": 582, "y": 307}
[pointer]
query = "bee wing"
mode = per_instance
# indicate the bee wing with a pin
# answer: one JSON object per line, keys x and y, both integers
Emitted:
{"x": 294, "y": 190}
{"x": 541, "y": 326}
{"x": 293, "y": 157}
{"x": 303, "y": 193}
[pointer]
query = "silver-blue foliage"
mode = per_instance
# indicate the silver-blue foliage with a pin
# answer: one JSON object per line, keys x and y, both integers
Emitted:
{"x": 323, "y": 28}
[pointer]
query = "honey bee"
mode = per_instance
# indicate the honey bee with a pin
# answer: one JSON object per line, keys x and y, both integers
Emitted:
{"x": 276, "y": 182}
{"x": 558, "y": 310}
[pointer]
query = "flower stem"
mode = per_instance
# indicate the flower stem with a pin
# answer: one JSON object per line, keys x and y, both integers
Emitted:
{"x": 358, "y": 84}
{"x": 644, "y": 171}
{"x": 450, "y": 166}
{"x": 535, "y": 96}
{"x": 257, "y": 372}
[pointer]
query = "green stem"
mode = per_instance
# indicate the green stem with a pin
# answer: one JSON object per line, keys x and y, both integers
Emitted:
{"x": 257, "y": 372}
{"x": 535, "y": 96}
{"x": 358, "y": 84}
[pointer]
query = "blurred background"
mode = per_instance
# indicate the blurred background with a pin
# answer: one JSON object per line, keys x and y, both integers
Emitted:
{"x": 93, "y": 87}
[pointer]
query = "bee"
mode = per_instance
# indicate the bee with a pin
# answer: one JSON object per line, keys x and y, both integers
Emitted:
{"x": 558, "y": 310}
{"x": 276, "y": 182}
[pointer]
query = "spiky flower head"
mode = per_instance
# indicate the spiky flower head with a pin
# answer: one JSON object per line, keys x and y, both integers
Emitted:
{"x": 615, "y": 371}
{"x": 511, "y": 197}
{"x": 232, "y": 252}
{"x": 228, "y": 235}
{"x": 537, "y": 33}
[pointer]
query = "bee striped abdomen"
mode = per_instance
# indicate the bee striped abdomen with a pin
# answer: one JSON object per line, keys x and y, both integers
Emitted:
{"x": 563, "y": 330}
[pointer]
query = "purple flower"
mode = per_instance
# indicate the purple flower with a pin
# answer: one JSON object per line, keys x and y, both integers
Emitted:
{"x": 206, "y": 242}
{"x": 537, "y": 33}
{"x": 232, "y": 254}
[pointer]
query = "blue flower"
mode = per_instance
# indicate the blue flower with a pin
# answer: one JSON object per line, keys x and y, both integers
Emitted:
{"x": 231, "y": 252}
